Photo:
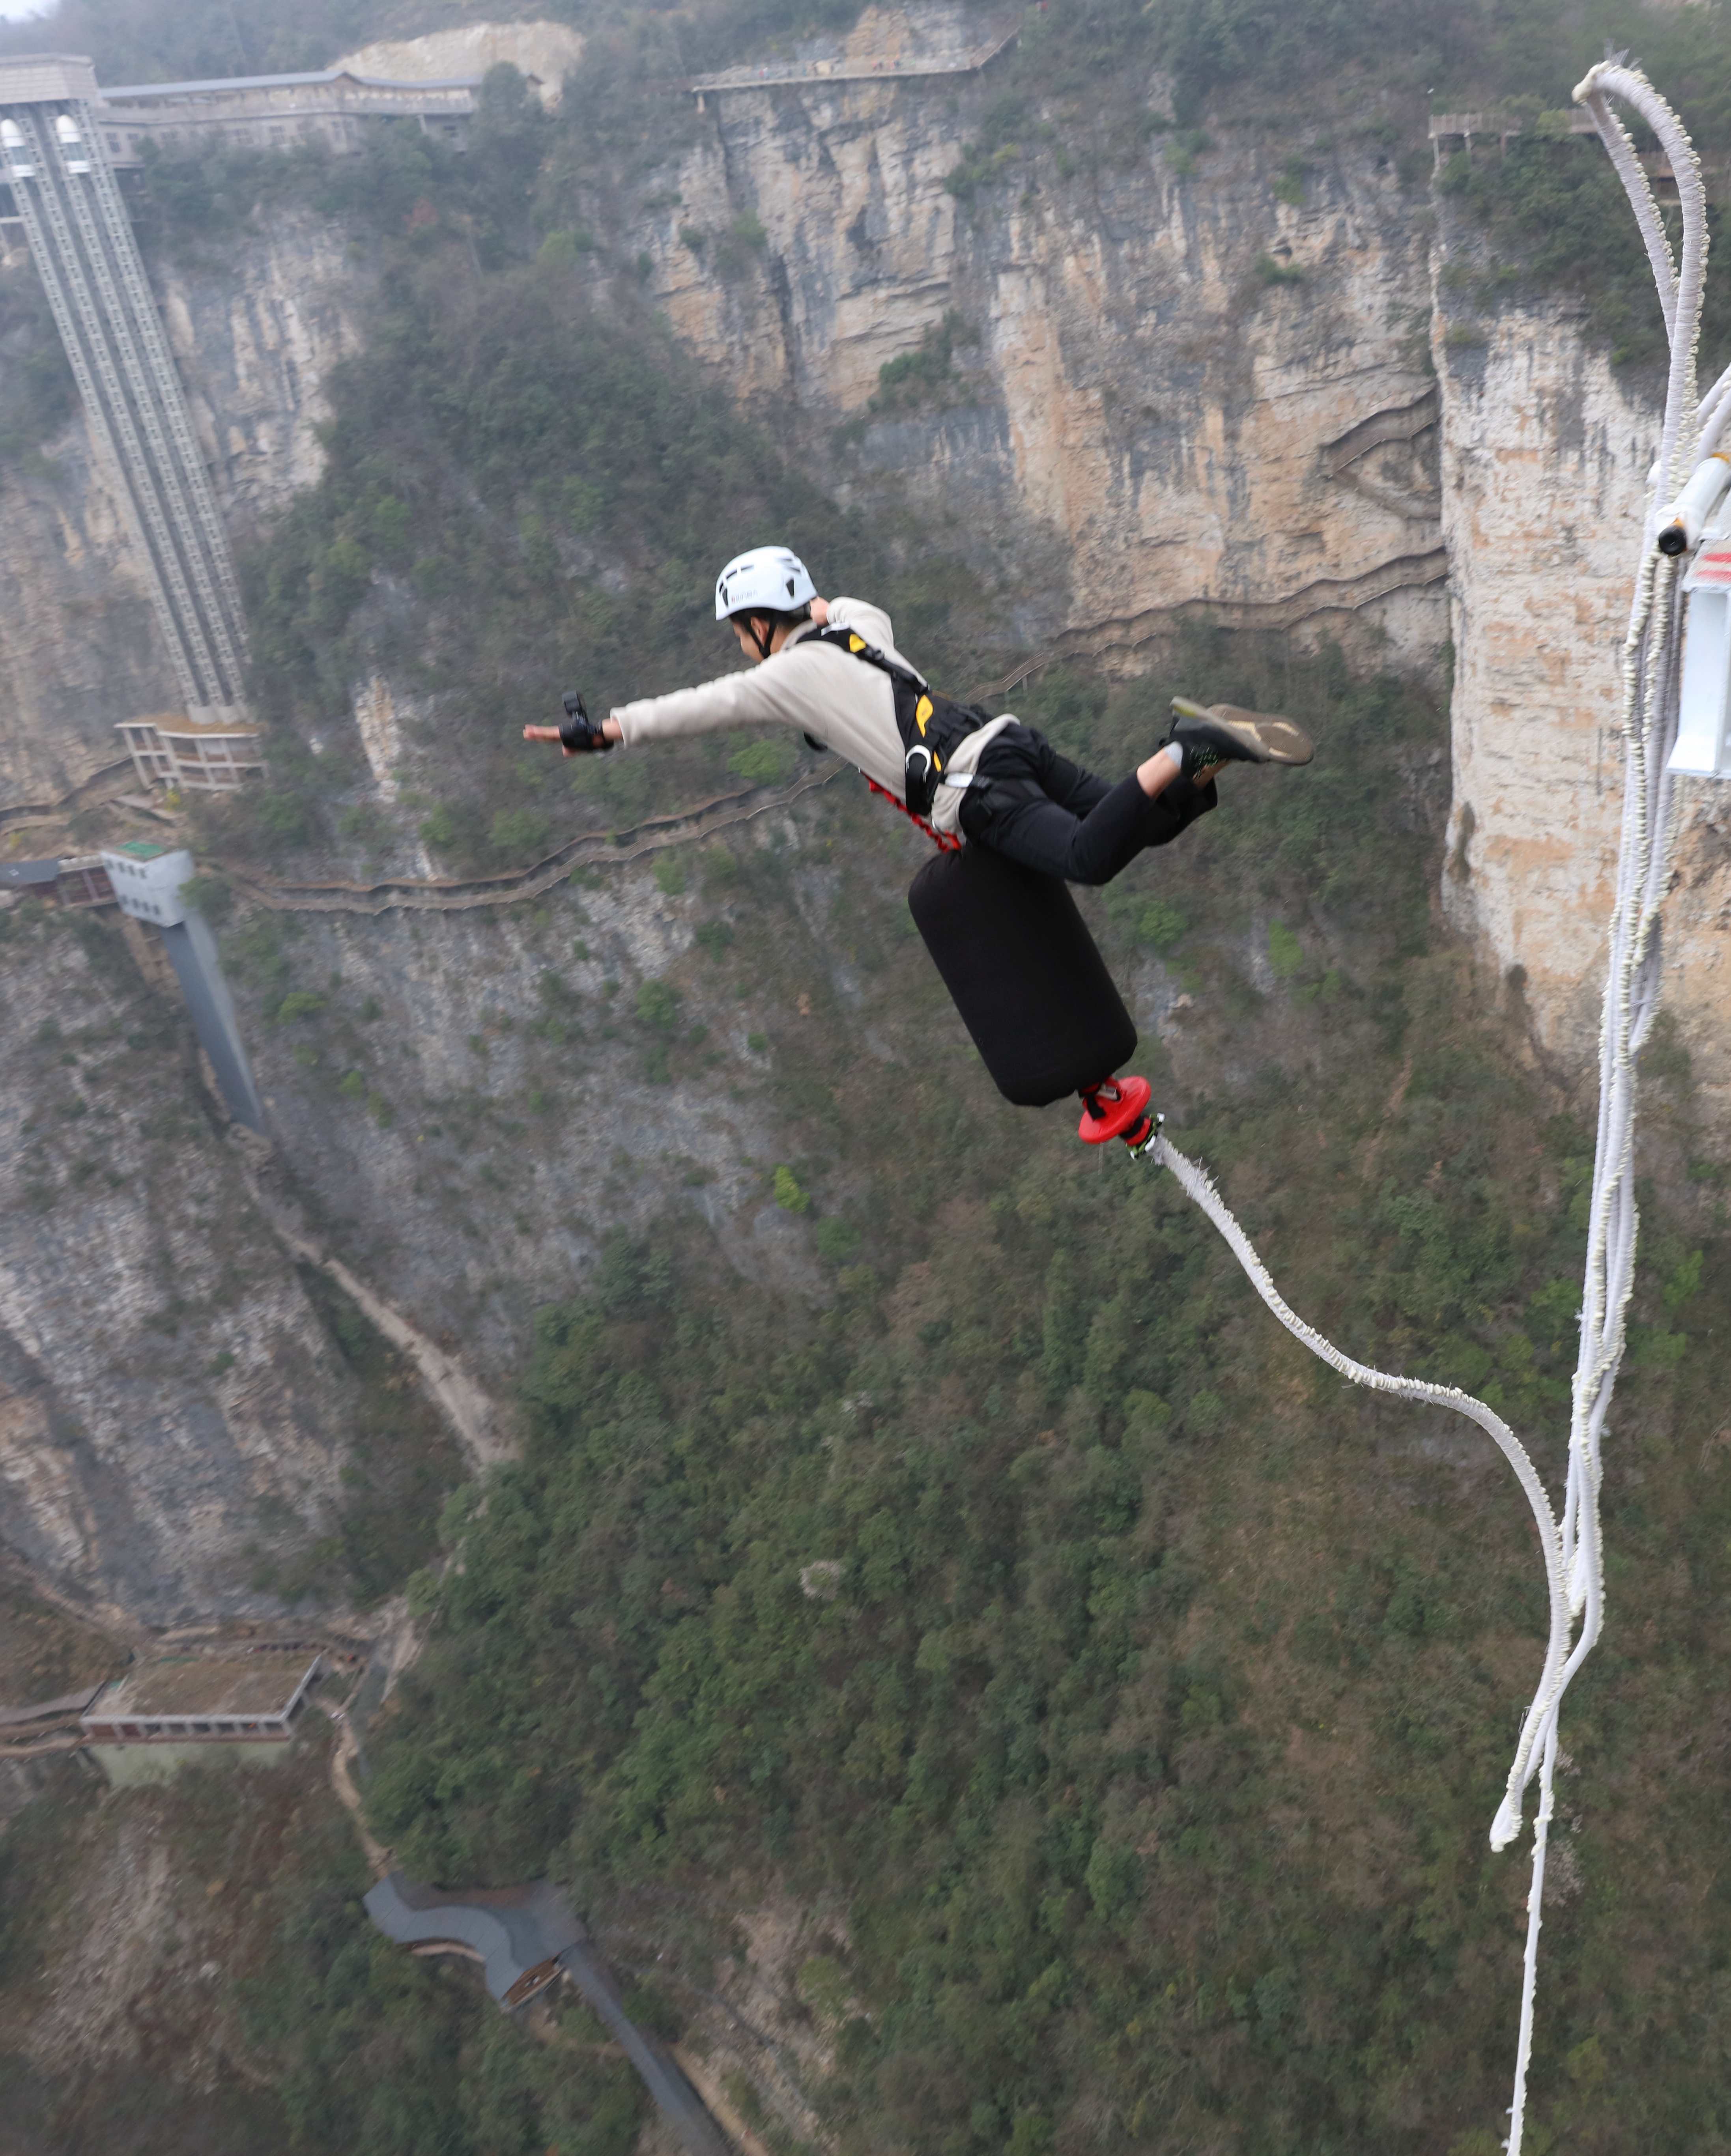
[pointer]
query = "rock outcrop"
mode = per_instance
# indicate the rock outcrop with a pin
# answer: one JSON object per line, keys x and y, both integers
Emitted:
{"x": 1545, "y": 455}
{"x": 544, "y": 53}
{"x": 1240, "y": 393}
{"x": 169, "y": 1411}
{"x": 1203, "y": 397}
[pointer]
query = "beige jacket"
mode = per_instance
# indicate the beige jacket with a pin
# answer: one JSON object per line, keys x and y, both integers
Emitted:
{"x": 849, "y": 706}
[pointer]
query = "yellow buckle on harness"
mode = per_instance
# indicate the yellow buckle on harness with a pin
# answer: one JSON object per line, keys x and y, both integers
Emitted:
{"x": 922, "y": 711}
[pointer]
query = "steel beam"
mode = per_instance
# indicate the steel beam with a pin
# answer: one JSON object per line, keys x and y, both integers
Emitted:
{"x": 82, "y": 242}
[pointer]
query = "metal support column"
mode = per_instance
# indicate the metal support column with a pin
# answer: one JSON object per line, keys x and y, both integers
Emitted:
{"x": 56, "y": 161}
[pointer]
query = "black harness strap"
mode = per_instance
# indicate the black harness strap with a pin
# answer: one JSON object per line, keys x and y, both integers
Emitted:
{"x": 932, "y": 725}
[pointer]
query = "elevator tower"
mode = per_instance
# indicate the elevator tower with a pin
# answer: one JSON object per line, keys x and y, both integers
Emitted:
{"x": 54, "y": 159}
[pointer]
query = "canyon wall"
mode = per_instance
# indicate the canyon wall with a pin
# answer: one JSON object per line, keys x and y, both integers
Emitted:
{"x": 1211, "y": 384}
{"x": 494, "y": 1125}
{"x": 170, "y": 1415}
{"x": 1545, "y": 455}
{"x": 1206, "y": 395}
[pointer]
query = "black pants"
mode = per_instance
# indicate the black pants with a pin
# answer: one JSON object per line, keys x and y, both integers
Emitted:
{"x": 1052, "y": 816}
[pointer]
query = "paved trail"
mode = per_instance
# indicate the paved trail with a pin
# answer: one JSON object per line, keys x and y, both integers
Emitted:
{"x": 456, "y": 893}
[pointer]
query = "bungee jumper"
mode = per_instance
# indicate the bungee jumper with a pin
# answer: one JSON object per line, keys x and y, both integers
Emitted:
{"x": 1014, "y": 821}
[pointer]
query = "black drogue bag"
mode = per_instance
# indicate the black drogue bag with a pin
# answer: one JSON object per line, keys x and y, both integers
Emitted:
{"x": 1025, "y": 974}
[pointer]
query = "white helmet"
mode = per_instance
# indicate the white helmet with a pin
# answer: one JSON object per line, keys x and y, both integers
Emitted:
{"x": 767, "y": 580}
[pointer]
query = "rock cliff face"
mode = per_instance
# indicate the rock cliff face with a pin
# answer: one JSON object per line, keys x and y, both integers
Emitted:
{"x": 1203, "y": 398}
{"x": 1203, "y": 392}
{"x": 169, "y": 1408}
{"x": 78, "y": 647}
{"x": 255, "y": 334}
{"x": 543, "y": 53}
{"x": 255, "y": 338}
{"x": 467, "y": 1107}
{"x": 1545, "y": 455}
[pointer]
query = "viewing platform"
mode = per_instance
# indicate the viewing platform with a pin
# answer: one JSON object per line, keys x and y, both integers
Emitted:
{"x": 79, "y": 880}
{"x": 1453, "y": 132}
{"x": 1467, "y": 127}
{"x": 822, "y": 72}
{"x": 201, "y": 756}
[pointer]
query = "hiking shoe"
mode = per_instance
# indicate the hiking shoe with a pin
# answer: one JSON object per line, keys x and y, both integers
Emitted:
{"x": 1222, "y": 733}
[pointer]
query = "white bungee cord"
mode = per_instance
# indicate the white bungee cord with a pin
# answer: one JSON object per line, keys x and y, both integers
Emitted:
{"x": 1571, "y": 1547}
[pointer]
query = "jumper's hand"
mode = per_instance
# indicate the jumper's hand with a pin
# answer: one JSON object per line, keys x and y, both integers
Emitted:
{"x": 579, "y": 736}
{"x": 820, "y": 613}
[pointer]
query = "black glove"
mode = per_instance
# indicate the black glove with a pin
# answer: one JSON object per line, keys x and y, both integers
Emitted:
{"x": 580, "y": 733}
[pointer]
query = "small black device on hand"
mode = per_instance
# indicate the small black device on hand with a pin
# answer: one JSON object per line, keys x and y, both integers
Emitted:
{"x": 580, "y": 733}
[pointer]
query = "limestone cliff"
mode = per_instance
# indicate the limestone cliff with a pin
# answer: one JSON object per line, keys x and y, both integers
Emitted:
{"x": 1205, "y": 396}
{"x": 1222, "y": 392}
{"x": 169, "y": 1411}
{"x": 255, "y": 336}
{"x": 1182, "y": 383}
{"x": 1545, "y": 455}
{"x": 467, "y": 1106}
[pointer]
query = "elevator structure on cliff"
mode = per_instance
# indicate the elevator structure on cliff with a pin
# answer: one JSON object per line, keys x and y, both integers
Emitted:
{"x": 55, "y": 160}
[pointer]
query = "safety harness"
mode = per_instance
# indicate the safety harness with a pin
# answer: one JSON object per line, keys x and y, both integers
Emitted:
{"x": 946, "y": 842}
{"x": 932, "y": 726}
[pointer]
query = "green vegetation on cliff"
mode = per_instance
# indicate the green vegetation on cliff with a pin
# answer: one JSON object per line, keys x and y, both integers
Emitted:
{"x": 1554, "y": 216}
{"x": 1554, "y": 211}
{"x": 37, "y": 394}
{"x": 605, "y": 481}
{"x": 1464, "y": 54}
